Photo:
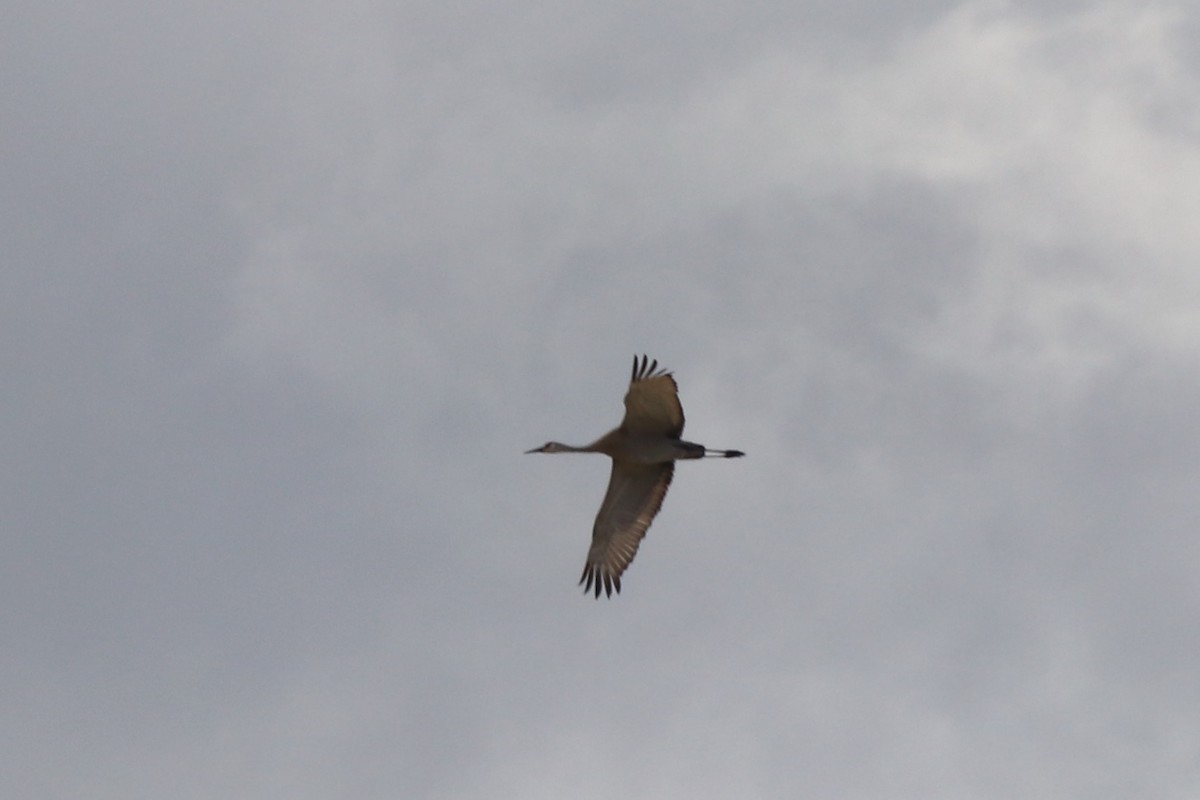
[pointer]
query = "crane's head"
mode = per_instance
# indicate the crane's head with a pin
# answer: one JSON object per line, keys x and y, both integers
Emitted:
{"x": 551, "y": 447}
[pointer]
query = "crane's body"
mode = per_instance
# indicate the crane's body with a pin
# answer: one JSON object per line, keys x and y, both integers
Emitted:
{"x": 634, "y": 448}
{"x": 643, "y": 449}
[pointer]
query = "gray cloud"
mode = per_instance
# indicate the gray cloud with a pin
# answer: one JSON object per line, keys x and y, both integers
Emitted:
{"x": 290, "y": 290}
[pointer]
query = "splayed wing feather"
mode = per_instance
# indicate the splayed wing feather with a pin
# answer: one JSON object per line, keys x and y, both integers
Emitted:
{"x": 635, "y": 494}
{"x": 652, "y": 402}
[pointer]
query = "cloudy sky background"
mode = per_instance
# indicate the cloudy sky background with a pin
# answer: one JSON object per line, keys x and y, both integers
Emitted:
{"x": 287, "y": 289}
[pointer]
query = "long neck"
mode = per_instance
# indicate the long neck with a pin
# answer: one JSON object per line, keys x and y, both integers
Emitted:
{"x": 570, "y": 448}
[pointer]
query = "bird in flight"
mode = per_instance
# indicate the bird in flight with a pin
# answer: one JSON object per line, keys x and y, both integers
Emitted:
{"x": 643, "y": 450}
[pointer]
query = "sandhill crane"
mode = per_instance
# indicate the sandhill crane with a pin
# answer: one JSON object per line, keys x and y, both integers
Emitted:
{"x": 643, "y": 450}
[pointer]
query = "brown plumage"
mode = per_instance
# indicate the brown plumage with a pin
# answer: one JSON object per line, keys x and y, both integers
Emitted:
{"x": 643, "y": 450}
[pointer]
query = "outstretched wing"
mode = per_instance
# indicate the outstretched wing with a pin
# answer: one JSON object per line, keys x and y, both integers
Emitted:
{"x": 652, "y": 402}
{"x": 635, "y": 493}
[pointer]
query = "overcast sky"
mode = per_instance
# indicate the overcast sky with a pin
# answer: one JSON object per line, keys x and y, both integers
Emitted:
{"x": 289, "y": 287}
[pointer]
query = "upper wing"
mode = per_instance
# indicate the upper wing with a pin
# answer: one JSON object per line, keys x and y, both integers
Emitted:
{"x": 652, "y": 402}
{"x": 635, "y": 493}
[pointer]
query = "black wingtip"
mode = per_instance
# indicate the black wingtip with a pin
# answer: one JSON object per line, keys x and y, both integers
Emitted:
{"x": 646, "y": 368}
{"x": 639, "y": 369}
{"x": 594, "y": 581}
